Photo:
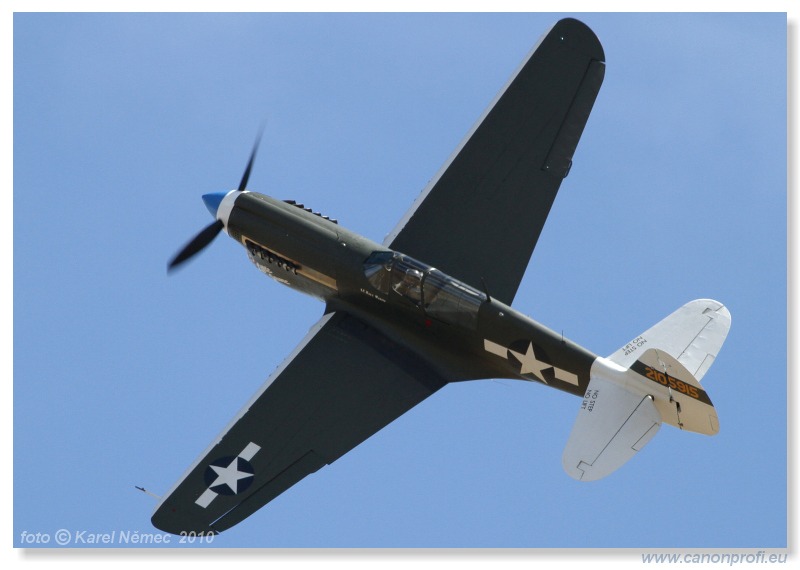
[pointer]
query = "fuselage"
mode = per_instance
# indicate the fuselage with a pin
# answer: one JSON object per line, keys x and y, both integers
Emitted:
{"x": 459, "y": 329}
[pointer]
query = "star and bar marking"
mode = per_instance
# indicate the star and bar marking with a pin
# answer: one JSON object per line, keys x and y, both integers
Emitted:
{"x": 229, "y": 475}
{"x": 529, "y": 364}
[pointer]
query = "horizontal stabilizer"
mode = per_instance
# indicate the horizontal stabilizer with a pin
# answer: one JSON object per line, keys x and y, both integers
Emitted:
{"x": 613, "y": 424}
{"x": 693, "y": 335}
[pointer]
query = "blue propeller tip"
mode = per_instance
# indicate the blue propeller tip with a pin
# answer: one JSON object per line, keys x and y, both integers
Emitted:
{"x": 213, "y": 200}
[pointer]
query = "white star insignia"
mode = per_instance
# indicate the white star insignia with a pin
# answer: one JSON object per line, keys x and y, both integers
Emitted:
{"x": 530, "y": 365}
{"x": 229, "y": 475}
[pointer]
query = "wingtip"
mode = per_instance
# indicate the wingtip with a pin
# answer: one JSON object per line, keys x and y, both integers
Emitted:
{"x": 580, "y": 36}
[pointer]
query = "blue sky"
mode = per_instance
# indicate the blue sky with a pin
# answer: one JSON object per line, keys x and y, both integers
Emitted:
{"x": 123, "y": 375}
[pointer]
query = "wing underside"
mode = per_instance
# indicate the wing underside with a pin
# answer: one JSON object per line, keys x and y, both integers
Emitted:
{"x": 481, "y": 216}
{"x": 344, "y": 382}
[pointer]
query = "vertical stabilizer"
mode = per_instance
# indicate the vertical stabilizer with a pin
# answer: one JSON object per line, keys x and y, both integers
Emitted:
{"x": 680, "y": 399}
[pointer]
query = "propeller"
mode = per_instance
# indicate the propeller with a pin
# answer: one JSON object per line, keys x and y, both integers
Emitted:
{"x": 207, "y": 234}
{"x": 246, "y": 175}
{"x": 200, "y": 241}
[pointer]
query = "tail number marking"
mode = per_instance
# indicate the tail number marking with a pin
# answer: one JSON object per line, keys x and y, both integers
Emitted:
{"x": 674, "y": 383}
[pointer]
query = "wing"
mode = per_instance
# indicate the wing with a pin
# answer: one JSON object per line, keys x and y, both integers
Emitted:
{"x": 342, "y": 384}
{"x": 481, "y": 215}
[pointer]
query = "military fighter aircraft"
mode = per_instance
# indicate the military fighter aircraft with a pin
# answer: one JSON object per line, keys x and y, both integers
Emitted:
{"x": 431, "y": 305}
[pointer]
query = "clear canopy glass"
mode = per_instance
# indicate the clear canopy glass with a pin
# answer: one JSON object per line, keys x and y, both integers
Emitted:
{"x": 439, "y": 295}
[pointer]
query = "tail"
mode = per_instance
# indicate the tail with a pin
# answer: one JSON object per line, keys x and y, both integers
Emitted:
{"x": 654, "y": 379}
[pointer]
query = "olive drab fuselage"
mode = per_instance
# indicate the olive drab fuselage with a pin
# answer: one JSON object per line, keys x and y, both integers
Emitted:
{"x": 465, "y": 333}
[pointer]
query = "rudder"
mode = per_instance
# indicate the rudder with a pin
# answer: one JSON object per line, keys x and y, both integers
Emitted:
{"x": 678, "y": 396}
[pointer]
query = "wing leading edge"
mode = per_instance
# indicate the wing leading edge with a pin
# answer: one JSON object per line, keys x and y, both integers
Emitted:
{"x": 481, "y": 216}
{"x": 342, "y": 384}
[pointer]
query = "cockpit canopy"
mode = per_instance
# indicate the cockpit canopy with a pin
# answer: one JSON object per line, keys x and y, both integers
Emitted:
{"x": 439, "y": 295}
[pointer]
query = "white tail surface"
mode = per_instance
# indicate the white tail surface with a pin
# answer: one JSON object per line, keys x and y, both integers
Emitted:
{"x": 643, "y": 385}
{"x": 693, "y": 335}
{"x": 613, "y": 424}
{"x": 680, "y": 399}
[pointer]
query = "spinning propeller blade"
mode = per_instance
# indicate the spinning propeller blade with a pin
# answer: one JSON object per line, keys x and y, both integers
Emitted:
{"x": 200, "y": 241}
{"x": 246, "y": 175}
